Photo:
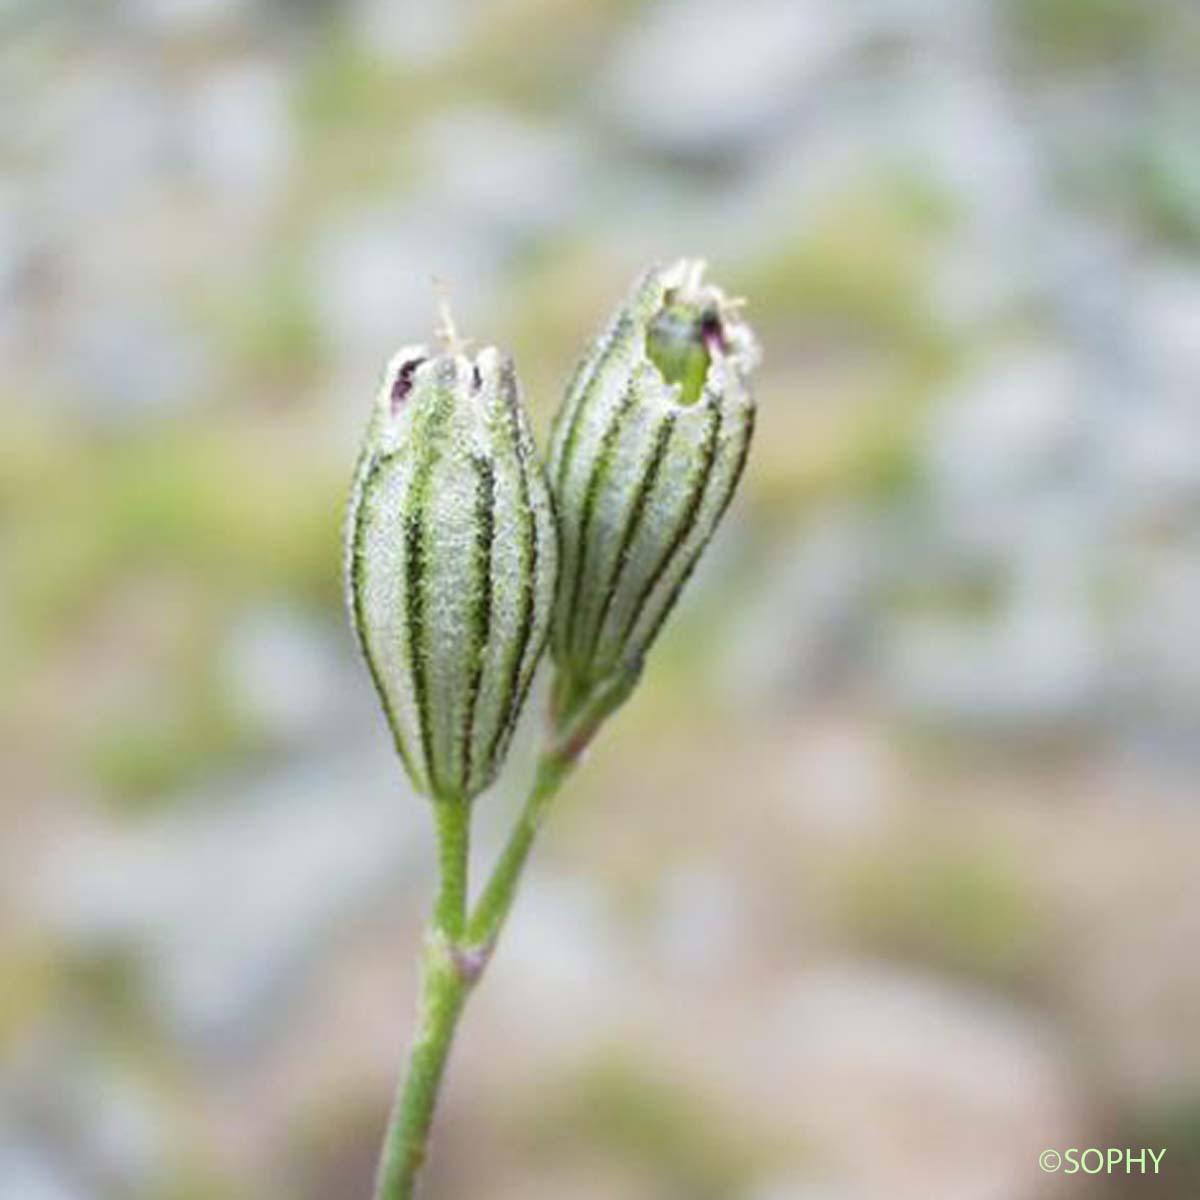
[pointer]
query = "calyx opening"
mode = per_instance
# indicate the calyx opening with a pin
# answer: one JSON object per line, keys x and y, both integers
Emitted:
{"x": 680, "y": 342}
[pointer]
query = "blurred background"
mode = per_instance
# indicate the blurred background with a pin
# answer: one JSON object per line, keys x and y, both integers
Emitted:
{"x": 887, "y": 878}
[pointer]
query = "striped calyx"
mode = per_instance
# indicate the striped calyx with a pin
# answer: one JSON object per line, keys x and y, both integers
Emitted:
{"x": 451, "y": 559}
{"x": 647, "y": 450}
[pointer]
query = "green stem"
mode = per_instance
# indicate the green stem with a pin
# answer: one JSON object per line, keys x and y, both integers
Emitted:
{"x": 578, "y": 715}
{"x": 494, "y": 904}
{"x": 458, "y": 946}
{"x": 445, "y": 985}
{"x": 454, "y": 845}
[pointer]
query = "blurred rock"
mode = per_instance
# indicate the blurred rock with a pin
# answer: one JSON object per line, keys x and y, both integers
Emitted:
{"x": 187, "y": 17}
{"x": 1158, "y": 649}
{"x": 240, "y": 134}
{"x": 843, "y": 781}
{"x": 20, "y": 251}
{"x": 100, "y": 1126}
{"x": 918, "y": 1089}
{"x": 121, "y": 1130}
{"x": 1040, "y": 482}
{"x": 561, "y": 952}
{"x": 123, "y": 362}
{"x": 691, "y": 80}
{"x": 413, "y": 32}
{"x": 1154, "y": 457}
{"x": 1037, "y": 670}
{"x": 798, "y": 1188}
{"x": 1165, "y": 319}
{"x": 1011, "y": 434}
{"x": 108, "y": 131}
{"x": 512, "y": 175}
{"x": 802, "y": 627}
{"x": 286, "y": 678}
{"x": 229, "y": 903}
{"x": 592, "y": 1181}
{"x": 964, "y": 129}
{"x": 697, "y": 928}
{"x": 374, "y": 279}
{"x": 1152, "y": 449}
{"x": 27, "y": 1173}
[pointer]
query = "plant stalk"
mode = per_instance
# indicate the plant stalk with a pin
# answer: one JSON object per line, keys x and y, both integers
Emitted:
{"x": 444, "y": 990}
{"x": 458, "y": 944}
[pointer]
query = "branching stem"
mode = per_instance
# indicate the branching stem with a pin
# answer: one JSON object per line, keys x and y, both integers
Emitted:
{"x": 459, "y": 942}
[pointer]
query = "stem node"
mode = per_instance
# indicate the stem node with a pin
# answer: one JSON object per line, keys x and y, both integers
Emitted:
{"x": 460, "y": 940}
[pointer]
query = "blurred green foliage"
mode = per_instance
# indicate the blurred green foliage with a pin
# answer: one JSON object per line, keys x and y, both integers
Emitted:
{"x": 857, "y": 268}
{"x": 238, "y": 507}
{"x": 1087, "y": 32}
{"x": 270, "y": 333}
{"x": 954, "y": 908}
{"x": 228, "y": 512}
{"x": 653, "y": 1121}
{"x": 141, "y": 758}
{"x": 1172, "y": 1123}
{"x": 1164, "y": 181}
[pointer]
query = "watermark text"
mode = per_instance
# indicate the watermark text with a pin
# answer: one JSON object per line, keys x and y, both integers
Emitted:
{"x": 1096, "y": 1160}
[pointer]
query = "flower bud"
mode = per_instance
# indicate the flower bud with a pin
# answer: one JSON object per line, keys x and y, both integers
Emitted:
{"x": 647, "y": 450}
{"x": 451, "y": 559}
